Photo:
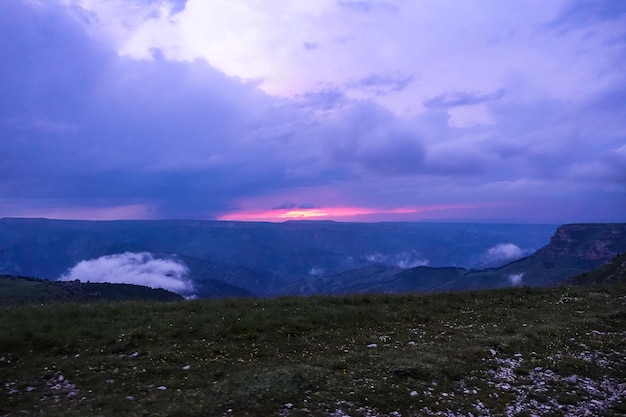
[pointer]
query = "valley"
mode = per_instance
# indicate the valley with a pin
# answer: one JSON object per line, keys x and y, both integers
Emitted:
{"x": 208, "y": 259}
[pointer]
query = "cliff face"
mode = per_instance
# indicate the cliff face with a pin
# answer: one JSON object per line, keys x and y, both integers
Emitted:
{"x": 589, "y": 242}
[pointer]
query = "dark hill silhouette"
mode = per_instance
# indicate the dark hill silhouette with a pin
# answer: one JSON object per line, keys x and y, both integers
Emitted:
{"x": 22, "y": 290}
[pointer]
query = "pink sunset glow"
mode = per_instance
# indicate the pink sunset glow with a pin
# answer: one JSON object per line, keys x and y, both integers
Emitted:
{"x": 339, "y": 213}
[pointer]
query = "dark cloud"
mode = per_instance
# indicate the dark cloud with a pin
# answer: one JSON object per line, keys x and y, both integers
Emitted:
{"x": 38, "y": 44}
{"x": 462, "y": 98}
{"x": 326, "y": 99}
{"x": 365, "y": 6}
{"x": 82, "y": 122}
{"x": 285, "y": 206}
{"x": 178, "y": 5}
{"x": 577, "y": 13}
{"x": 310, "y": 46}
{"x": 359, "y": 6}
{"x": 81, "y": 126}
{"x": 371, "y": 138}
{"x": 381, "y": 84}
{"x": 552, "y": 139}
{"x": 291, "y": 206}
{"x": 400, "y": 154}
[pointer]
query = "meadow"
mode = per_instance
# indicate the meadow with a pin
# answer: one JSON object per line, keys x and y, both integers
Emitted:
{"x": 514, "y": 352}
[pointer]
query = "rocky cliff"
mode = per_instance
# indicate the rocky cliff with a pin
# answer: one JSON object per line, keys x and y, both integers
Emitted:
{"x": 589, "y": 242}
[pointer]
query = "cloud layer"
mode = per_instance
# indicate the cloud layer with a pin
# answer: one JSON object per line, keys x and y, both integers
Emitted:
{"x": 194, "y": 109}
{"x": 134, "y": 268}
{"x": 503, "y": 253}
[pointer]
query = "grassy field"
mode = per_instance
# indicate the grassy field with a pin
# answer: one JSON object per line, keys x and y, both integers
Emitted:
{"x": 508, "y": 352}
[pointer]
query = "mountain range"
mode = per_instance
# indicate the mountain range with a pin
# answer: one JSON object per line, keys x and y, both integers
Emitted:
{"x": 217, "y": 258}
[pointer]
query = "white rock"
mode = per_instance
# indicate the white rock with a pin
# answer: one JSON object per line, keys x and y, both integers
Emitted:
{"x": 413, "y": 394}
{"x": 162, "y": 388}
{"x": 493, "y": 352}
{"x": 186, "y": 367}
{"x": 372, "y": 345}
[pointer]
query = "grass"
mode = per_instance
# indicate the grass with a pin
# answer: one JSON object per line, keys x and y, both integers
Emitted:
{"x": 521, "y": 351}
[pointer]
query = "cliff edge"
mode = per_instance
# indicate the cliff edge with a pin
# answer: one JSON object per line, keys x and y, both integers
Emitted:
{"x": 590, "y": 242}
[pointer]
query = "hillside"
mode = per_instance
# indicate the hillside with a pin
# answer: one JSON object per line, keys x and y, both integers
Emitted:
{"x": 572, "y": 250}
{"x": 518, "y": 352}
{"x": 21, "y": 290}
{"x": 612, "y": 272}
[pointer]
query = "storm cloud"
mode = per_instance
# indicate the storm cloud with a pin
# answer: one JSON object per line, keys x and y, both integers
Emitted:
{"x": 166, "y": 109}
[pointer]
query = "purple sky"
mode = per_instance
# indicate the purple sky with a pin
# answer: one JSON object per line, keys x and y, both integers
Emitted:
{"x": 327, "y": 109}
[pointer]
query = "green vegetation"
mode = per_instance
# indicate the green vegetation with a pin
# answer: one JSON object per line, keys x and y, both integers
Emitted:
{"x": 610, "y": 273}
{"x": 558, "y": 351}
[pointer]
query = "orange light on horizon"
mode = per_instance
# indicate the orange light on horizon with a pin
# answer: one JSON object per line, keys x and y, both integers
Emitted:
{"x": 329, "y": 212}
{"x": 297, "y": 214}
{"x": 290, "y": 214}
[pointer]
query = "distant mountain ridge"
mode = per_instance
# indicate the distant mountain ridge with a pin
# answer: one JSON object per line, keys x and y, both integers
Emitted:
{"x": 260, "y": 259}
{"x": 238, "y": 259}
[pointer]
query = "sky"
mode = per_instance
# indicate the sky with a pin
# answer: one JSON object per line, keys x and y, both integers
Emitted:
{"x": 347, "y": 110}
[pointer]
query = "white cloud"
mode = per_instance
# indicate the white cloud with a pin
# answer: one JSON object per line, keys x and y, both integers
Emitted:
{"x": 316, "y": 271}
{"x": 504, "y": 252}
{"x": 516, "y": 279}
{"x": 412, "y": 263}
{"x": 134, "y": 268}
{"x": 271, "y": 40}
{"x": 404, "y": 260}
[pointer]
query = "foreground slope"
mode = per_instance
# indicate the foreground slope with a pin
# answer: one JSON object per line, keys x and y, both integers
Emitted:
{"x": 523, "y": 351}
{"x": 612, "y": 272}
